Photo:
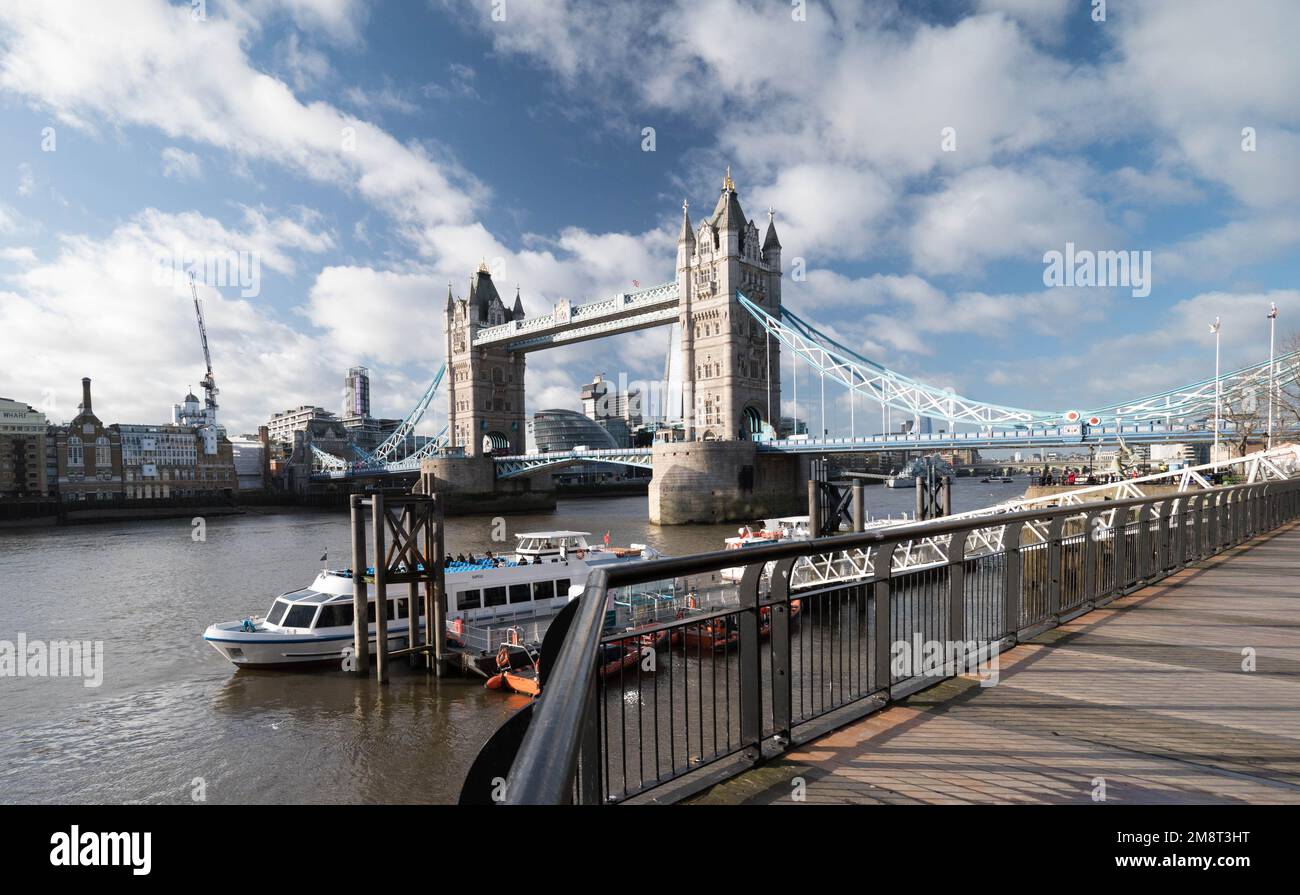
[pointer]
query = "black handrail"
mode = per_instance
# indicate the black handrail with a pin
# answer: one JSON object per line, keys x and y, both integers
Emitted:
{"x": 544, "y": 768}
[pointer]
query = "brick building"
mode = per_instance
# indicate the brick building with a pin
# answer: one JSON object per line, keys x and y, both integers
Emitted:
{"x": 88, "y": 456}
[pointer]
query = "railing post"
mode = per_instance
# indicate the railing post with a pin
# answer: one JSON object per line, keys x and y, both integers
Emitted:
{"x": 1211, "y": 543}
{"x": 1054, "y": 565}
{"x": 751, "y": 664}
{"x": 1119, "y": 538}
{"x": 1012, "y": 605}
{"x": 1142, "y": 544}
{"x": 881, "y": 571}
{"x": 957, "y": 591}
{"x": 589, "y": 785}
{"x": 859, "y": 505}
{"x": 779, "y": 609}
{"x": 1222, "y": 532}
{"x": 1091, "y": 552}
{"x": 1197, "y": 504}
{"x": 1162, "y": 540}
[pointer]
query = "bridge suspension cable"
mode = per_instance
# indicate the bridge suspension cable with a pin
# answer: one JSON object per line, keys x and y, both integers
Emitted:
{"x": 395, "y": 453}
{"x": 894, "y": 390}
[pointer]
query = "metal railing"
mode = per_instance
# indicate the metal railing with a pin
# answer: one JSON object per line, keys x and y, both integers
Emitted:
{"x": 756, "y": 665}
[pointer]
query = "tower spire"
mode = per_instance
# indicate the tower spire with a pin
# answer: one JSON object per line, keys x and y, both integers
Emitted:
{"x": 687, "y": 235}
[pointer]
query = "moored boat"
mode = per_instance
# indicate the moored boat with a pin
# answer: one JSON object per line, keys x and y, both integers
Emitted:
{"x": 489, "y": 599}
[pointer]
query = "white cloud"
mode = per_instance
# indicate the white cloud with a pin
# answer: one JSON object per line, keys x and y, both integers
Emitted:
{"x": 181, "y": 165}
{"x": 193, "y": 80}
{"x": 368, "y": 314}
{"x": 339, "y": 20}
{"x": 99, "y": 309}
{"x": 306, "y": 66}
{"x": 26, "y": 179}
{"x": 1201, "y": 71}
{"x": 1045, "y": 19}
{"x": 24, "y": 255}
{"x": 992, "y": 213}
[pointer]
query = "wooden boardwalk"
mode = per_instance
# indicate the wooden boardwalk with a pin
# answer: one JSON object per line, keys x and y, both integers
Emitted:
{"x": 1146, "y": 696}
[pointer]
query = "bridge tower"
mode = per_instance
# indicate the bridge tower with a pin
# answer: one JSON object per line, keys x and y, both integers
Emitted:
{"x": 485, "y": 385}
{"x": 731, "y": 367}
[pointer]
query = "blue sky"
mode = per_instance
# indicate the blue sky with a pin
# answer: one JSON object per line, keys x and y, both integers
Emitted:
{"x": 519, "y": 141}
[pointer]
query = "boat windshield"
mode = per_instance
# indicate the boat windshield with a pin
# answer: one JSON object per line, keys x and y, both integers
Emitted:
{"x": 278, "y": 609}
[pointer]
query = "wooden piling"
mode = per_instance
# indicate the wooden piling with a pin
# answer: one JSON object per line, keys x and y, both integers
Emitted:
{"x": 360, "y": 628}
{"x": 381, "y": 590}
{"x": 411, "y": 556}
{"x": 814, "y": 510}
{"x": 436, "y": 586}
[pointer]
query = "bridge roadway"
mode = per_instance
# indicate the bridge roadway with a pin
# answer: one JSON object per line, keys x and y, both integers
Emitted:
{"x": 1146, "y": 693}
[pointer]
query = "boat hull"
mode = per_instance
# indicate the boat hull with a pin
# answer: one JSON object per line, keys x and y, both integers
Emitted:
{"x": 268, "y": 649}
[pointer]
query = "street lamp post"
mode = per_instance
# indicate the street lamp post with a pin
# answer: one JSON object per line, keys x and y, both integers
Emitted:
{"x": 1214, "y": 328}
{"x": 1272, "y": 325}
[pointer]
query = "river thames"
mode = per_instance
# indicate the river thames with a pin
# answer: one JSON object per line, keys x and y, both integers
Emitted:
{"x": 172, "y": 719}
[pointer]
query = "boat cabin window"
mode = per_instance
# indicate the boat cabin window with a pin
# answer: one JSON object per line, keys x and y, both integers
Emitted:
{"x": 494, "y": 596}
{"x": 467, "y": 599}
{"x": 335, "y": 615}
{"x": 300, "y": 616}
{"x": 370, "y": 611}
{"x": 562, "y": 587}
{"x": 278, "y": 609}
{"x": 401, "y": 608}
{"x": 519, "y": 593}
{"x": 543, "y": 590}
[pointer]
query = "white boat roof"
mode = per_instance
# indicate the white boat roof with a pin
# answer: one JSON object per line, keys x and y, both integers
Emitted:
{"x": 551, "y": 534}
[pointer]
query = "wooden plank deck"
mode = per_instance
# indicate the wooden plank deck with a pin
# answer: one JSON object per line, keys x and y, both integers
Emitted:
{"x": 1148, "y": 694}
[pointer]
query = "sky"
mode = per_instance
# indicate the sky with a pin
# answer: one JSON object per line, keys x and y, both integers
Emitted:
{"x": 356, "y": 156}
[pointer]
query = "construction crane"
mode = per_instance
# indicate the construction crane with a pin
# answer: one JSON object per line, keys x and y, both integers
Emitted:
{"x": 210, "y": 390}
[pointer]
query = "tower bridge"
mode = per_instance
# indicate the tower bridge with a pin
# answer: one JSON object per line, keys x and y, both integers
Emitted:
{"x": 731, "y": 461}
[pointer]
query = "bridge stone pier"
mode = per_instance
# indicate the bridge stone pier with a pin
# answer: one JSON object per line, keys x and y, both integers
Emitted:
{"x": 469, "y": 486}
{"x": 720, "y": 481}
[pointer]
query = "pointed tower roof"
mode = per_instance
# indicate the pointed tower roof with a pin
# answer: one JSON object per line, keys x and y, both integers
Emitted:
{"x": 450, "y": 301}
{"x": 482, "y": 292}
{"x": 688, "y": 234}
{"x": 518, "y": 312}
{"x": 728, "y": 214}
{"x": 771, "y": 241}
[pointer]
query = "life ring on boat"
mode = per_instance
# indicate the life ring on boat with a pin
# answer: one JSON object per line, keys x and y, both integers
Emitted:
{"x": 503, "y": 657}
{"x": 513, "y": 637}
{"x": 458, "y": 627}
{"x": 692, "y": 603}
{"x": 582, "y": 554}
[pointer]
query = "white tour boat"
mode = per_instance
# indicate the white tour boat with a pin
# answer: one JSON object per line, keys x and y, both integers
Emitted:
{"x": 490, "y": 601}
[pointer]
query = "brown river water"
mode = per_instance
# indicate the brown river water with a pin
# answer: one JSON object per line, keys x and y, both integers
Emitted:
{"x": 172, "y": 719}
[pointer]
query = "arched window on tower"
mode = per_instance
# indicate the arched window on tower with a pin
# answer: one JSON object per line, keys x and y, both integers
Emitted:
{"x": 103, "y": 454}
{"x": 75, "y": 456}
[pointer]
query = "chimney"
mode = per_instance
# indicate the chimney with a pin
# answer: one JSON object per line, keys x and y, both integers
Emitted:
{"x": 85, "y": 395}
